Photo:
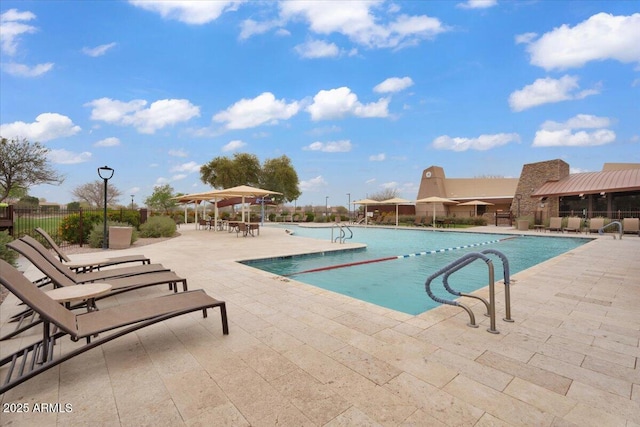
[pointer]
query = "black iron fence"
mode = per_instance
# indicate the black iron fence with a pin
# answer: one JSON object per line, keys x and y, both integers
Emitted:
{"x": 68, "y": 227}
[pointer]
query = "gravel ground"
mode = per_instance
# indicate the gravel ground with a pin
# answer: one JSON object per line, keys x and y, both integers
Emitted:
{"x": 85, "y": 249}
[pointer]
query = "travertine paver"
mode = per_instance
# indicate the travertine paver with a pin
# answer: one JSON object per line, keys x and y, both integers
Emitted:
{"x": 300, "y": 355}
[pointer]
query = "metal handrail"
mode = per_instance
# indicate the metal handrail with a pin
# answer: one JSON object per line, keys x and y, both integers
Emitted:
{"x": 618, "y": 223}
{"x": 490, "y": 305}
{"x": 342, "y": 236}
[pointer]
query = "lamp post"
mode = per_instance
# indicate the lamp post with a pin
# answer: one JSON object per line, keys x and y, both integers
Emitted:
{"x": 518, "y": 197}
{"x": 132, "y": 202}
{"x": 106, "y": 173}
{"x": 326, "y": 208}
{"x": 349, "y": 206}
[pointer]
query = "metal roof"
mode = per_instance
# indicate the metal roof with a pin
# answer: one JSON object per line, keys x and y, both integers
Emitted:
{"x": 613, "y": 181}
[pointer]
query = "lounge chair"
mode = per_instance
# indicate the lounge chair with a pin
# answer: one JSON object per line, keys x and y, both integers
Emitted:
{"x": 573, "y": 224}
{"x": 595, "y": 224}
{"x": 89, "y": 276}
{"x": 36, "y": 358}
{"x": 88, "y": 266}
{"x": 555, "y": 224}
{"x": 60, "y": 278}
{"x": 631, "y": 225}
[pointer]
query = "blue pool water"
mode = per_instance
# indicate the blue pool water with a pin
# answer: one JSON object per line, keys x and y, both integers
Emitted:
{"x": 399, "y": 284}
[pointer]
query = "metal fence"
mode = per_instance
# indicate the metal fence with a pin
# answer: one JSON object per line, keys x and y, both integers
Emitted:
{"x": 63, "y": 223}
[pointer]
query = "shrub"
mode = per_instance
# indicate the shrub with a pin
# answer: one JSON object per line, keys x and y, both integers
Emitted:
{"x": 9, "y": 255}
{"x": 158, "y": 226}
{"x": 70, "y": 227}
{"x": 96, "y": 234}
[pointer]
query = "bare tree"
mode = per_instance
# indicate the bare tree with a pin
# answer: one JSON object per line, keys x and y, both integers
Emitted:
{"x": 386, "y": 194}
{"x": 23, "y": 164}
{"x": 93, "y": 193}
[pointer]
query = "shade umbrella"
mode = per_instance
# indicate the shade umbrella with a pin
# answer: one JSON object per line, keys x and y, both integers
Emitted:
{"x": 475, "y": 203}
{"x": 365, "y": 203}
{"x": 242, "y": 191}
{"x": 435, "y": 200}
{"x": 395, "y": 201}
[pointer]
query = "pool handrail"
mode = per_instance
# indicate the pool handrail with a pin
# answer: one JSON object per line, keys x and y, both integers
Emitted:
{"x": 618, "y": 223}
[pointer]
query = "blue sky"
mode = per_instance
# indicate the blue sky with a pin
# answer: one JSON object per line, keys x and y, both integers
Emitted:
{"x": 362, "y": 96}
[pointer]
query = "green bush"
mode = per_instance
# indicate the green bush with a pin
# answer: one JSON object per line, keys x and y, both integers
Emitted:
{"x": 9, "y": 255}
{"x": 158, "y": 226}
{"x": 70, "y": 227}
{"x": 131, "y": 218}
{"x": 97, "y": 232}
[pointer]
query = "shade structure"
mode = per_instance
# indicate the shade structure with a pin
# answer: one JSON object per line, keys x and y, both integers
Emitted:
{"x": 365, "y": 203}
{"x": 475, "y": 203}
{"x": 395, "y": 201}
{"x": 242, "y": 191}
{"x": 435, "y": 200}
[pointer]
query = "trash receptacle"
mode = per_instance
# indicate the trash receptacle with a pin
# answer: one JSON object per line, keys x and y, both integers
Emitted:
{"x": 120, "y": 237}
{"x": 523, "y": 224}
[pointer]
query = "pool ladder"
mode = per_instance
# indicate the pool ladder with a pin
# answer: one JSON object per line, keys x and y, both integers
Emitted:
{"x": 491, "y": 304}
{"x": 618, "y": 223}
{"x": 342, "y": 234}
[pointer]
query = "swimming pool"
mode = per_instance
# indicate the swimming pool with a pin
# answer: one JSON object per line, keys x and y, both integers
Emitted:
{"x": 398, "y": 283}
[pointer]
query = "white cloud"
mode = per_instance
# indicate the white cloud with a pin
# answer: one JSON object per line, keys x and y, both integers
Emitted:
{"x": 378, "y": 157}
{"x": 98, "y": 50}
{"x": 68, "y": 157}
{"x": 178, "y": 177}
{"x": 556, "y": 134}
{"x": 189, "y": 12}
{"x": 249, "y": 28}
{"x": 525, "y": 38}
{"x": 548, "y": 90}
{"x": 389, "y": 185}
{"x": 234, "y": 145}
{"x": 481, "y": 143}
{"x": 12, "y": 27}
{"x": 477, "y": 4}
{"x": 264, "y": 108}
{"x": 162, "y": 113}
{"x": 356, "y": 20}
{"x": 47, "y": 126}
{"x": 342, "y": 146}
{"x": 393, "y": 84}
{"x": 317, "y": 49}
{"x": 189, "y": 167}
{"x": 178, "y": 153}
{"x": 22, "y": 70}
{"x": 313, "y": 184}
{"x": 341, "y": 102}
{"x": 108, "y": 142}
{"x": 603, "y": 36}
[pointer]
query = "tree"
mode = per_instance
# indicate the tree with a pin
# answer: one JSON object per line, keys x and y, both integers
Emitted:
{"x": 222, "y": 172}
{"x": 161, "y": 199}
{"x": 93, "y": 193}
{"x": 386, "y": 194}
{"x": 22, "y": 165}
{"x": 279, "y": 175}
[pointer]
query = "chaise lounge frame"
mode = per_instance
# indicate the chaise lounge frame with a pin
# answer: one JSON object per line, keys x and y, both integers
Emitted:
{"x": 38, "y": 357}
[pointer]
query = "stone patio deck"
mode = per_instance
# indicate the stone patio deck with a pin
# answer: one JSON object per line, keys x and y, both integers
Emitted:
{"x": 298, "y": 355}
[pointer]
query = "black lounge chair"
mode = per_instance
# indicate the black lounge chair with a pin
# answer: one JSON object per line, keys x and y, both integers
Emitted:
{"x": 36, "y": 358}
{"x": 88, "y": 266}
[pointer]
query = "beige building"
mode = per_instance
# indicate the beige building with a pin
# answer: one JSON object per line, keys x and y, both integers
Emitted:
{"x": 544, "y": 189}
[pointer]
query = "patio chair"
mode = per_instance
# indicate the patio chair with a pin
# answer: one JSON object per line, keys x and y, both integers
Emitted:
{"x": 631, "y": 225}
{"x": 88, "y": 266}
{"x": 36, "y": 358}
{"x": 595, "y": 224}
{"x": 89, "y": 276}
{"x": 555, "y": 224}
{"x": 573, "y": 224}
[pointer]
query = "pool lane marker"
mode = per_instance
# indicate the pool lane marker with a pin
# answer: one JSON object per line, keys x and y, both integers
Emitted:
{"x": 369, "y": 261}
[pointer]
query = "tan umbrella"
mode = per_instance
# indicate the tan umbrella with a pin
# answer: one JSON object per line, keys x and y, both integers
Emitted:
{"x": 435, "y": 200}
{"x": 242, "y": 191}
{"x": 395, "y": 201}
{"x": 365, "y": 203}
{"x": 475, "y": 203}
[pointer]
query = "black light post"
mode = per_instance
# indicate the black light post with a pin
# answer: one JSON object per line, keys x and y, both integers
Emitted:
{"x": 132, "y": 202}
{"x": 326, "y": 208}
{"x": 108, "y": 174}
{"x": 518, "y": 198}
{"x": 349, "y": 207}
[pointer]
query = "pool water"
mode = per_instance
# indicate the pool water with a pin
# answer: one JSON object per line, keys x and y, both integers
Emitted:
{"x": 399, "y": 283}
